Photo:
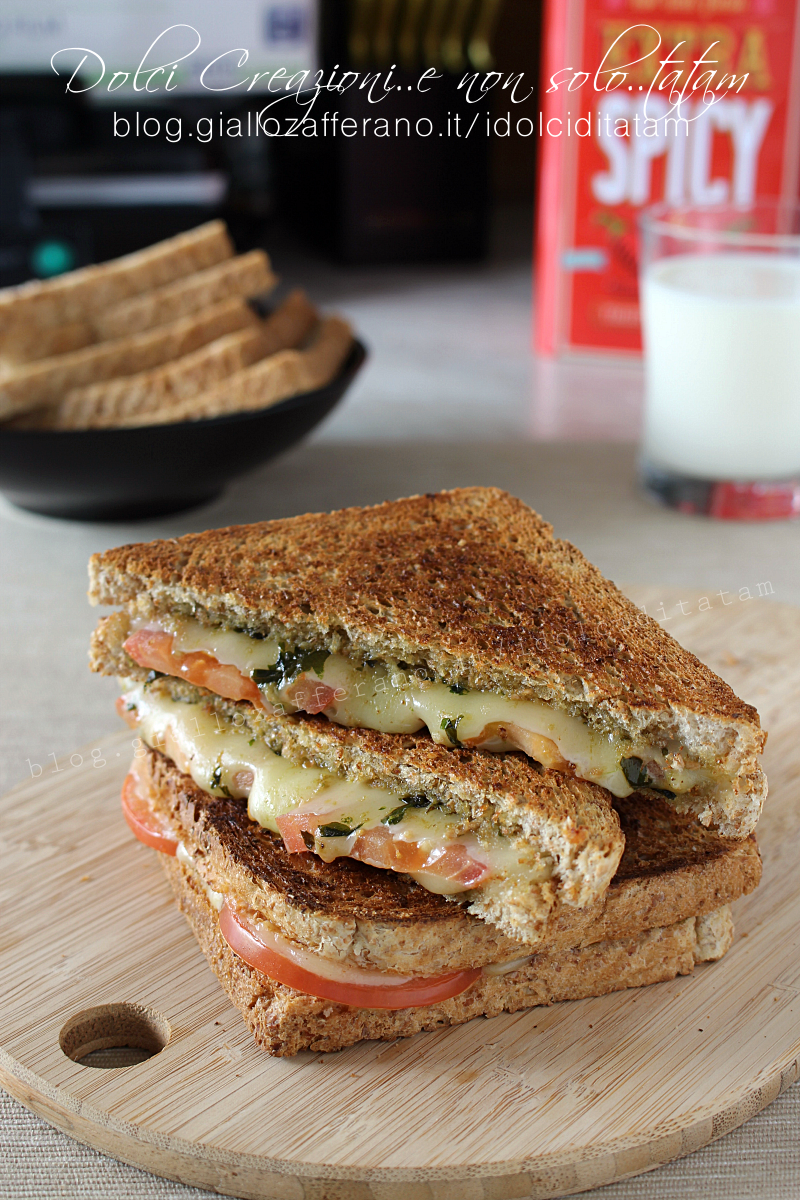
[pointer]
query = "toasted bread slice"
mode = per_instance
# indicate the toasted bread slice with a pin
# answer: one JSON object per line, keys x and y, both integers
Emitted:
{"x": 116, "y": 401}
{"x": 472, "y": 588}
{"x": 272, "y": 379}
{"x": 90, "y": 290}
{"x": 30, "y": 343}
{"x": 246, "y": 275}
{"x": 44, "y": 382}
{"x": 361, "y": 916}
{"x": 284, "y": 1021}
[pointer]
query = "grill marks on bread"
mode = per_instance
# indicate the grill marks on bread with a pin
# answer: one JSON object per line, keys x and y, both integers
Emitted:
{"x": 345, "y": 910}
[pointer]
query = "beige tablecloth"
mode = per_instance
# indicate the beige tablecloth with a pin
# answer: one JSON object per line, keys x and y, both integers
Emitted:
{"x": 52, "y": 704}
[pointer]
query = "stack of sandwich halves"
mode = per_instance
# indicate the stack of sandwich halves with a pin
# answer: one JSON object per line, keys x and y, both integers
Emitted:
{"x": 412, "y": 764}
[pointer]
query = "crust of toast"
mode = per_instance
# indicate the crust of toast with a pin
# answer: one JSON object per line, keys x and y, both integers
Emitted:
{"x": 284, "y": 1021}
{"x": 44, "y": 382}
{"x": 111, "y": 403}
{"x": 79, "y": 294}
{"x": 670, "y": 870}
{"x": 473, "y": 585}
{"x": 246, "y": 275}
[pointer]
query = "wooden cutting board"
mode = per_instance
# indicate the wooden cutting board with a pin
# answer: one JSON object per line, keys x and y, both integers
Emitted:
{"x": 535, "y": 1104}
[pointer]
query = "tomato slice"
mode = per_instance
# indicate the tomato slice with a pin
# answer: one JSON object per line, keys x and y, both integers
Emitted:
{"x": 152, "y": 648}
{"x": 292, "y": 826}
{"x": 309, "y": 695}
{"x": 450, "y": 859}
{"x": 285, "y": 963}
{"x": 144, "y": 823}
{"x": 377, "y": 846}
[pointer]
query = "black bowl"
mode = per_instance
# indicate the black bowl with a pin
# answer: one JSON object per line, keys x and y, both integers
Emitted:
{"x": 148, "y": 471}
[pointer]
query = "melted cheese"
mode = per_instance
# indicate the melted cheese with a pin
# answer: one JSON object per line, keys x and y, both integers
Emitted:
{"x": 226, "y": 760}
{"x": 385, "y": 698}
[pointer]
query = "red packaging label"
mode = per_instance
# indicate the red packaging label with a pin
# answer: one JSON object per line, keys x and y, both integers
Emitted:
{"x": 614, "y": 141}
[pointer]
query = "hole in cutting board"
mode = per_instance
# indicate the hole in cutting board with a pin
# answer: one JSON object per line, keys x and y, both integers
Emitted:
{"x": 115, "y": 1056}
{"x": 114, "y": 1035}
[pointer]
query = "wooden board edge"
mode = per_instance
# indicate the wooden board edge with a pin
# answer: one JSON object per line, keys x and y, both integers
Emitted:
{"x": 243, "y": 1176}
{"x": 170, "y": 1157}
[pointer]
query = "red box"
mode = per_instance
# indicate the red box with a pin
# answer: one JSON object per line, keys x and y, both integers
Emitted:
{"x": 603, "y": 72}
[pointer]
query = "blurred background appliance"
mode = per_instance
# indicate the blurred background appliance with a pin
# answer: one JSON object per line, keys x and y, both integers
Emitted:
{"x": 73, "y": 190}
{"x": 83, "y": 178}
{"x": 420, "y": 190}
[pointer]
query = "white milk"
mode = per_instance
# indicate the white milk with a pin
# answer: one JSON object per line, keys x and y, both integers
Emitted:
{"x": 722, "y": 336}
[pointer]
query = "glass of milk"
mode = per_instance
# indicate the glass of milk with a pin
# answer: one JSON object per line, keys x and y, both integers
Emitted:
{"x": 720, "y": 292}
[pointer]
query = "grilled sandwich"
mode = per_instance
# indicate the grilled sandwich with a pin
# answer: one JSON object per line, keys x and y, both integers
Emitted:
{"x": 417, "y": 763}
{"x": 319, "y": 955}
{"x": 457, "y": 614}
